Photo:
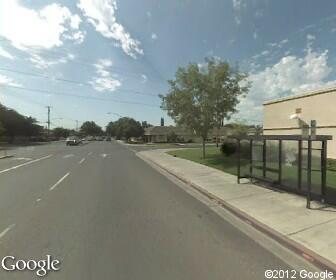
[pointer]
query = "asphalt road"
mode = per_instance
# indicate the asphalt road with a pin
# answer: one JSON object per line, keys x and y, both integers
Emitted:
{"x": 106, "y": 214}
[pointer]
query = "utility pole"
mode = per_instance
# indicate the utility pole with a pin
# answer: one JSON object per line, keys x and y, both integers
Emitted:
{"x": 48, "y": 122}
{"x": 77, "y": 125}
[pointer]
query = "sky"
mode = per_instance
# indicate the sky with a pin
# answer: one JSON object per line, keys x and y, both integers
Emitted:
{"x": 102, "y": 59}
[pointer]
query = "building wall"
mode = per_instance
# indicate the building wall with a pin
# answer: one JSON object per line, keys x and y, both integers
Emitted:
{"x": 159, "y": 138}
{"x": 319, "y": 107}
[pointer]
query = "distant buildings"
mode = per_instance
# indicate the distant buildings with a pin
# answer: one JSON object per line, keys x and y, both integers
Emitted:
{"x": 293, "y": 114}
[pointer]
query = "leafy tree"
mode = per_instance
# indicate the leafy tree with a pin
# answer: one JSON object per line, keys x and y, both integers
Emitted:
{"x": 201, "y": 97}
{"x": 90, "y": 128}
{"x": 125, "y": 128}
{"x": 258, "y": 130}
{"x": 110, "y": 129}
{"x": 31, "y": 128}
{"x": 61, "y": 132}
{"x": 2, "y": 129}
{"x": 240, "y": 129}
{"x": 145, "y": 124}
{"x": 172, "y": 137}
{"x": 16, "y": 124}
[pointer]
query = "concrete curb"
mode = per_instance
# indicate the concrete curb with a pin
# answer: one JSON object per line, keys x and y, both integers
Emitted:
{"x": 309, "y": 255}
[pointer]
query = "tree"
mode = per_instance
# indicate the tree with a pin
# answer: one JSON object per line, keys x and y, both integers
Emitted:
{"x": 2, "y": 129}
{"x": 227, "y": 85}
{"x": 16, "y": 124}
{"x": 125, "y": 128}
{"x": 201, "y": 97}
{"x": 145, "y": 124}
{"x": 239, "y": 129}
{"x": 91, "y": 128}
{"x": 110, "y": 129}
{"x": 172, "y": 137}
{"x": 61, "y": 132}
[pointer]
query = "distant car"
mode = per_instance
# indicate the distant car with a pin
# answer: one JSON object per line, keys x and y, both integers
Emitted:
{"x": 108, "y": 138}
{"x": 90, "y": 138}
{"x": 72, "y": 141}
{"x": 99, "y": 138}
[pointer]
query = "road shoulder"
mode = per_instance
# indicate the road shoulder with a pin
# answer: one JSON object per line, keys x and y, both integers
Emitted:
{"x": 279, "y": 215}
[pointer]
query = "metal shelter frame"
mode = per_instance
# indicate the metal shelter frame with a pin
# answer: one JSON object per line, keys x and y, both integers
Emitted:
{"x": 261, "y": 141}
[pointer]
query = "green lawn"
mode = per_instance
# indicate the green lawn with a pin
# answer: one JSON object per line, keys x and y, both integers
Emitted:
{"x": 214, "y": 158}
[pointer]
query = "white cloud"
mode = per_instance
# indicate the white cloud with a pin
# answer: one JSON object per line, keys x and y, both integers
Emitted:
{"x": 144, "y": 78}
{"x": 255, "y": 35}
{"x": 104, "y": 80}
{"x": 310, "y": 40}
{"x": 42, "y": 28}
{"x": 154, "y": 36}
{"x": 42, "y": 63}
{"x": 78, "y": 37}
{"x": 290, "y": 75}
{"x": 237, "y": 20}
{"x": 259, "y": 13}
{"x": 5, "y": 80}
{"x": 238, "y": 4}
{"x": 279, "y": 44}
{"x": 6, "y": 54}
{"x": 101, "y": 14}
{"x": 310, "y": 37}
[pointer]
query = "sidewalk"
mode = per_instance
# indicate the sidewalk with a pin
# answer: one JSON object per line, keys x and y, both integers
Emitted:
{"x": 283, "y": 216}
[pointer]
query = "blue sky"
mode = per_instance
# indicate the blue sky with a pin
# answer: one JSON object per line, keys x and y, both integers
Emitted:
{"x": 97, "y": 59}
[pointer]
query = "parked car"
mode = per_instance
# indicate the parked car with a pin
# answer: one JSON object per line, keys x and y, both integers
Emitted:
{"x": 108, "y": 138}
{"x": 72, "y": 141}
{"x": 99, "y": 138}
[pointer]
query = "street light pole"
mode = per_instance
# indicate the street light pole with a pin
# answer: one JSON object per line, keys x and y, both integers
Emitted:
{"x": 48, "y": 122}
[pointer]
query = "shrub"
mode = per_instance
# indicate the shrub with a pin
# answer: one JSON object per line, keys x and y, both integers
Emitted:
{"x": 228, "y": 148}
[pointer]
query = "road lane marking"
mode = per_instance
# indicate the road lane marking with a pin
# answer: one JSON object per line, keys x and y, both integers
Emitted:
{"x": 59, "y": 181}
{"x": 81, "y": 161}
{"x": 3, "y": 233}
{"x": 69, "y": 156}
{"x": 24, "y": 164}
{"x": 22, "y": 158}
{"x": 104, "y": 155}
{"x": 38, "y": 200}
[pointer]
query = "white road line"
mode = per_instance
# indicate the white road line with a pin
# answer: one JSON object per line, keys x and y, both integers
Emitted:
{"x": 38, "y": 200}
{"x": 104, "y": 155}
{"x": 3, "y": 233}
{"x": 69, "y": 156}
{"x": 22, "y": 158}
{"x": 24, "y": 164}
{"x": 59, "y": 181}
{"x": 81, "y": 161}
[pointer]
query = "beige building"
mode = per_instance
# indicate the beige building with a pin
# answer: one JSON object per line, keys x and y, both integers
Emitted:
{"x": 290, "y": 115}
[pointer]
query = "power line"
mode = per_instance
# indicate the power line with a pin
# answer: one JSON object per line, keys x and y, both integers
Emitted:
{"x": 80, "y": 96}
{"x": 57, "y": 54}
{"x": 70, "y": 81}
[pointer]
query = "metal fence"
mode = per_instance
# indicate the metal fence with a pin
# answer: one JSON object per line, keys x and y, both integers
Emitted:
{"x": 290, "y": 162}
